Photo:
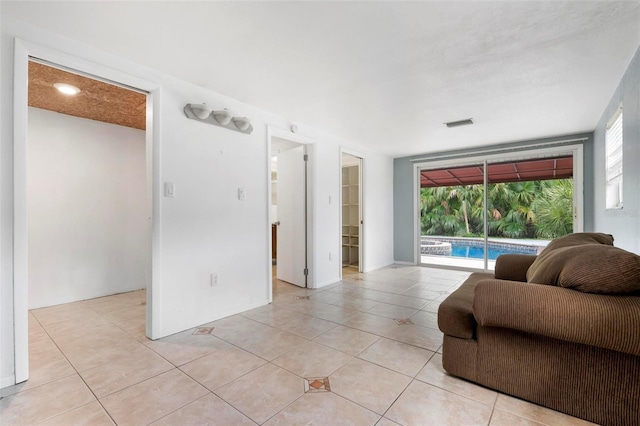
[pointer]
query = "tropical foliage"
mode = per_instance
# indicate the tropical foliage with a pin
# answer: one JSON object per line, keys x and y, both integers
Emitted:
{"x": 532, "y": 209}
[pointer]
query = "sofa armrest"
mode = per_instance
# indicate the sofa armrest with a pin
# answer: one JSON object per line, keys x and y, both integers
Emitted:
{"x": 606, "y": 321}
{"x": 513, "y": 267}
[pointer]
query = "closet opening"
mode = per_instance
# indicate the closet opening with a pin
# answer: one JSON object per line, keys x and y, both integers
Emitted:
{"x": 351, "y": 216}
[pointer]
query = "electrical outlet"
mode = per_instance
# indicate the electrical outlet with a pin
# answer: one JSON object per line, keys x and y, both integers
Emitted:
{"x": 214, "y": 279}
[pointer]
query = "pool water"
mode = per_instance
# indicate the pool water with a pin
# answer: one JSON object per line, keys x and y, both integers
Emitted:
{"x": 463, "y": 250}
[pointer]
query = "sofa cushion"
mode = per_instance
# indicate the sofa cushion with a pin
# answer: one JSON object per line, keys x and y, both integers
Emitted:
{"x": 591, "y": 268}
{"x": 580, "y": 238}
{"x": 513, "y": 267}
{"x": 455, "y": 314}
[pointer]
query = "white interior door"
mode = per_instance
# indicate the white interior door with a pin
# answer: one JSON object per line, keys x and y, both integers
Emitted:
{"x": 291, "y": 215}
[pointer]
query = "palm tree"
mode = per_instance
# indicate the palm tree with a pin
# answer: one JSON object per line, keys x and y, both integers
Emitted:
{"x": 554, "y": 209}
{"x": 531, "y": 209}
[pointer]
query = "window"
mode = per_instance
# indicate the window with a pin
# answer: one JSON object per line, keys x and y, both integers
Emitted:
{"x": 530, "y": 199}
{"x": 613, "y": 147}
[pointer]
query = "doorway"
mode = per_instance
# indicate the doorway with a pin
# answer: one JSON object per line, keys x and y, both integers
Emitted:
{"x": 351, "y": 215}
{"x": 24, "y": 53}
{"x": 290, "y": 215}
{"x": 89, "y": 233}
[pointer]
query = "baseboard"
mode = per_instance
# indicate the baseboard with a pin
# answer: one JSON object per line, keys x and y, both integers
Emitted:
{"x": 217, "y": 317}
{"x": 7, "y": 381}
{"x": 398, "y": 262}
{"x": 326, "y": 283}
{"x": 378, "y": 267}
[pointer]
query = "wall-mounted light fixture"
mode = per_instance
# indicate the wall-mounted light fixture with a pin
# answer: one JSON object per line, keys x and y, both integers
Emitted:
{"x": 201, "y": 111}
{"x": 222, "y": 118}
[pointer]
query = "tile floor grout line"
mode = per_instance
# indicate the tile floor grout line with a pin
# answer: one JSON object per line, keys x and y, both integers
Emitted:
{"x": 87, "y": 385}
{"x": 413, "y": 379}
{"x": 179, "y": 408}
{"x": 230, "y": 381}
{"x": 287, "y": 406}
{"x": 406, "y": 375}
{"x": 351, "y": 357}
{"x": 357, "y": 403}
{"x": 238, "y": 409}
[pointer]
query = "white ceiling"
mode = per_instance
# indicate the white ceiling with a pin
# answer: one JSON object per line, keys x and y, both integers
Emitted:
{"x": 384, "y": 74}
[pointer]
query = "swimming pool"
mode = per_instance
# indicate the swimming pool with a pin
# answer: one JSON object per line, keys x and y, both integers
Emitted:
{"x": 465, "y": 250}
{"x": 471, "y": 248}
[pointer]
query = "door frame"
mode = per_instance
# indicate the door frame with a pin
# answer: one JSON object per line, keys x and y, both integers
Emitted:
{"x": 23, "y": 50}
{"x": 309, "y": 143}
{"x": 361, "y": 209}
{"x": 549, "y": 149}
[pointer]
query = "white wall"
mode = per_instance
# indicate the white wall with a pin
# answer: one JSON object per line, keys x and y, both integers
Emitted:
{"x": 205, "y": 228}
{"x": 89, "y": 232}
{"x": 623, "y": 224}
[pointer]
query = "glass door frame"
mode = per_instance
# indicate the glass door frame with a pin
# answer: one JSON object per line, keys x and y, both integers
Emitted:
{"x": 525, "y": 153}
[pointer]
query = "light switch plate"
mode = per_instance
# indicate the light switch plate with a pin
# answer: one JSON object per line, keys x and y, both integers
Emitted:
{"x": 169, "y": 190}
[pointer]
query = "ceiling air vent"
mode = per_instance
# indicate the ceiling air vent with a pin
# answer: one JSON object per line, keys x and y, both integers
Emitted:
{"x": 459, "y": 123}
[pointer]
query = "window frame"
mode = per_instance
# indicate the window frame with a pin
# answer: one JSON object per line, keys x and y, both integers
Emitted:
{"x": 614, "y": 146}
{"x": 489, "y": 156}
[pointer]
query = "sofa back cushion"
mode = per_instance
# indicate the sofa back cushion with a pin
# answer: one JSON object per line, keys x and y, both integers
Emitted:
{"x": 591, "y": 268}
{"x": 601, "y": 269}
{"x": 570, "y": 240}
{"x": 578, "y": 239}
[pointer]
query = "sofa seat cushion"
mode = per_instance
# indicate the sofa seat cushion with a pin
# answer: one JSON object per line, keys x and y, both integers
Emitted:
{"x": 455, "y": 314}
{"x": 591, "y": 269}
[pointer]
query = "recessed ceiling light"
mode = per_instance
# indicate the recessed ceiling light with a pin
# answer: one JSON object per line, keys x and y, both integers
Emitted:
{"x": 459, "y": 123}
{"x": 66, "y": 89}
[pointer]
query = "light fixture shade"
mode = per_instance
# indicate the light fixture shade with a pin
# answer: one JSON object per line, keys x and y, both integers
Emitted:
{"x": 201, "y": 111}
{"x": 241, "y": 123}
{"x": 222, "y": 117}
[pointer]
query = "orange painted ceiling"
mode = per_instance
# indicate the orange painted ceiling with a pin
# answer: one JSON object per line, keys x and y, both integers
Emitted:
{"x": 97, "y": 100}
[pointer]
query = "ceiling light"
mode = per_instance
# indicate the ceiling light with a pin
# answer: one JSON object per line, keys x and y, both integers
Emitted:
{"x": 66, "y": 89}
{"x": 459, "y": 123}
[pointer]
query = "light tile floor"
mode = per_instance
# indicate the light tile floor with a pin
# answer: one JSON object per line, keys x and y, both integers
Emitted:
{"x": 341, "y": 355}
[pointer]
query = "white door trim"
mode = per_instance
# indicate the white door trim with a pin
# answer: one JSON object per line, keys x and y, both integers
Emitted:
{"x": 361, "y": 192}
{"x": 22, "y": 51}
{"x": 274, "y": 131}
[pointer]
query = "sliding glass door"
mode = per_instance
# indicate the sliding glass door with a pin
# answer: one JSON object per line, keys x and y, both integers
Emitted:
{"x": 452, "y": 216}
{"x": 470, "y": 214}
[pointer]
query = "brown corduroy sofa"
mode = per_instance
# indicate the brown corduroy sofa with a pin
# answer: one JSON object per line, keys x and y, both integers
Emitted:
{"x": 573, "y": 351}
